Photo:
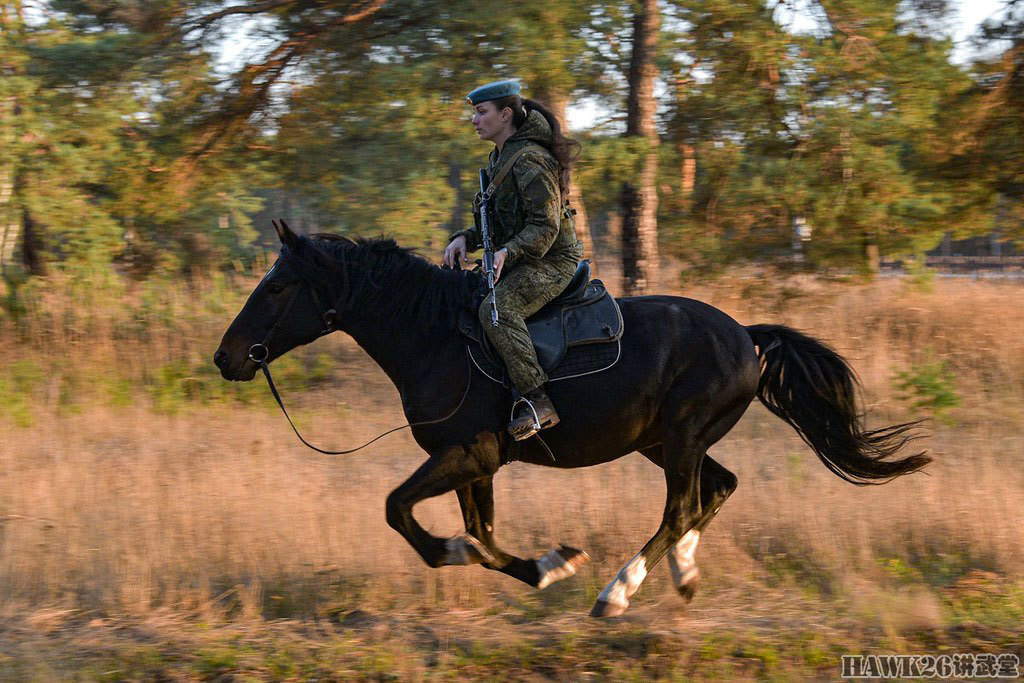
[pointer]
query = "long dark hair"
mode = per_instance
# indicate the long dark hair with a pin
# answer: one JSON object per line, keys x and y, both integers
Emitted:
{"x": 565, "y": 150}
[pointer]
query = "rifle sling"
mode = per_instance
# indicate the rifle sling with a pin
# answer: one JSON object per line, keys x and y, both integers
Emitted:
{"x": 504, "y": 170}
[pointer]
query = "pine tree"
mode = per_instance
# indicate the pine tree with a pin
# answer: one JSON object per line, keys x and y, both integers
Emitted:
{"x": 640, "y": 196}
{"x": 835, "y": 129}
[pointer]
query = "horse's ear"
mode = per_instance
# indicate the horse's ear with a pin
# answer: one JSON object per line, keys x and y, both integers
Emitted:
{"x": 285, "y": 234}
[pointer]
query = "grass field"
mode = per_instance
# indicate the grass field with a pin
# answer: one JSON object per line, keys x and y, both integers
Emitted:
{"x": 159, "y": 524}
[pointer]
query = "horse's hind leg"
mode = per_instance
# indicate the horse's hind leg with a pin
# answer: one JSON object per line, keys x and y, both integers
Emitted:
{"x": 477, "y": 502}
{"x": 682, "y": 511}
{"x": 683, "y": 450}
{"x": 716, "y": 485}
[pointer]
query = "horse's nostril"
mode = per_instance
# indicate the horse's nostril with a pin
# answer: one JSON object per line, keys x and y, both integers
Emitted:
{"x": 220, "y": 358}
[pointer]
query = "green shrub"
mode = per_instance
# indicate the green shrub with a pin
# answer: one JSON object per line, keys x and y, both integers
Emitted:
{"x": 180, "y": 384}
{"x": 19, "y": 381}
{"x": 929, "y": 386}
{"x": 920, "y": 277}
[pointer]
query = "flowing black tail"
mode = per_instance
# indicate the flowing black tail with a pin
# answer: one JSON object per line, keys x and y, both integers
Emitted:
{"x": 811, "y": 387}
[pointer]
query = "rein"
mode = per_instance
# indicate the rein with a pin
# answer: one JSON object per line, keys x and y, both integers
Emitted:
{"x": 260, "y": 352}
{"x": 277, "y": 397}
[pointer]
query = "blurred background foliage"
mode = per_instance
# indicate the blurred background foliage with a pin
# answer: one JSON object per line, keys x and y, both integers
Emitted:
{"x": 160, "y": 137}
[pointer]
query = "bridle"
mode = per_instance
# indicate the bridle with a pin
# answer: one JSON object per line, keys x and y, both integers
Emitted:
{"x": 260, "y": 352}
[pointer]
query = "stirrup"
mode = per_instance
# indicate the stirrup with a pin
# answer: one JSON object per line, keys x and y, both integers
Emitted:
{"x": 536, "y": 426}
{"x": 536, "y": 418}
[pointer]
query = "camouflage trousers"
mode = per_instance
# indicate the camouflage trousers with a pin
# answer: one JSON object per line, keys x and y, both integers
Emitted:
{"x": 522, "y": 291}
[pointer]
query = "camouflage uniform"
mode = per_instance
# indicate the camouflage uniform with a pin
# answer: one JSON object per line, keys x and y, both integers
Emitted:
{"x": 531, "y": 223}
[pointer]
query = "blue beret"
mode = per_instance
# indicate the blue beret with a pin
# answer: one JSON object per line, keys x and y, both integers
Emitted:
{"x": 492, "y": 91}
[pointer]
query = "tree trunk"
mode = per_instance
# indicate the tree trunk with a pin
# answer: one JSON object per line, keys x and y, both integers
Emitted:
{"x": 872, "y": 257}
{"x": 32, "y": 255}
{"x": 458, "y": 221}
{"x": 640, "y": 200}
{"x": 688, "y": 172}
{"x": 10, "y": 218}
{"x": 557, "y": 101}
{"x": 687, "y": 152}
{"x": 460, "y": 207}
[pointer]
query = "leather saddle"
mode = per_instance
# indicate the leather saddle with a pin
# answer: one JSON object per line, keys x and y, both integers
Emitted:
{"x": 577, "y": 332}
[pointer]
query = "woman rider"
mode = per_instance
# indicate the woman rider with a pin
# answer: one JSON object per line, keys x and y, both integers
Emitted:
{"x": 532, "y": 231}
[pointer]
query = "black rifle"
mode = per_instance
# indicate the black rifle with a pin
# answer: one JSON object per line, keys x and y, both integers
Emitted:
{"x": 485, "y": 233}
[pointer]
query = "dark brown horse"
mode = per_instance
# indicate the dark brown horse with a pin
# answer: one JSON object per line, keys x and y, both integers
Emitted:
{"x": 687, "y": 373}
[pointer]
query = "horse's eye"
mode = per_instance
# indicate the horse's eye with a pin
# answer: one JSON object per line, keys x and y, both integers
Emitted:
{"x": 275, "y": 287}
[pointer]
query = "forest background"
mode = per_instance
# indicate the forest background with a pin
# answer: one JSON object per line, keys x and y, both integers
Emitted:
{"x": 719, "y": 135}
{"x": 158, "y": 522}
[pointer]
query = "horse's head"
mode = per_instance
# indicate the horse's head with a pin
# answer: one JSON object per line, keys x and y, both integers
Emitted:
{"x": 280, "y": 314}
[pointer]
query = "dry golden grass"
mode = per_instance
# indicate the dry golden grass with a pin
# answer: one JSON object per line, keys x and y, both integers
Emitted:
{"x": 131, "y": 511}
{"x": 219, "y": 512}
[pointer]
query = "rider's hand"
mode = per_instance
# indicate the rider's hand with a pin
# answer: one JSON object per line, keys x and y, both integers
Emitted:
{"x": 455, "y": 250}
{"x": 499, "y": 262}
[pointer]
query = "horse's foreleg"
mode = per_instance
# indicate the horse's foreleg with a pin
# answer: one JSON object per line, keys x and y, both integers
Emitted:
{"x": 452, "y": 469}
{"x": 477, "y": 502}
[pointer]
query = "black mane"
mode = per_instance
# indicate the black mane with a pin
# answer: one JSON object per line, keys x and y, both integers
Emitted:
{"x": 377, "y": 277}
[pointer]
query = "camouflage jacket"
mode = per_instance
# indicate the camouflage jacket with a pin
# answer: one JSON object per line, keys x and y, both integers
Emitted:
{"x": 529, "y": 218}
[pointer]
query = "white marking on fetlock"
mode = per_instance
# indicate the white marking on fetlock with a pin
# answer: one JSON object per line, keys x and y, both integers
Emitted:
{"x": 464, "y": 549}
{"x": 682, "y": 558}
{"x": 687, "y": 576}
{"x": 555, "y": 566}
{"x": 625, "y": 583}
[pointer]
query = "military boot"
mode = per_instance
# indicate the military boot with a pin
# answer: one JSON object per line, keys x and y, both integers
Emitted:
{"x": 532, "y": 413}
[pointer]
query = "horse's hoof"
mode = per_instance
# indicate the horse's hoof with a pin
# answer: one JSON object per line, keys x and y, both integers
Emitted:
{"x": 688, "y": 588}
{"x": 604, "y": 609}
{"x": 687, "y": 591}
{"x": 465, "y": 549}
{"x": 559, "y": 564}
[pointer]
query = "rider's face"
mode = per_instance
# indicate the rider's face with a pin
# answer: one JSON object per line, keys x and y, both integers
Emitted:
{"x": 490, "y": 123}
